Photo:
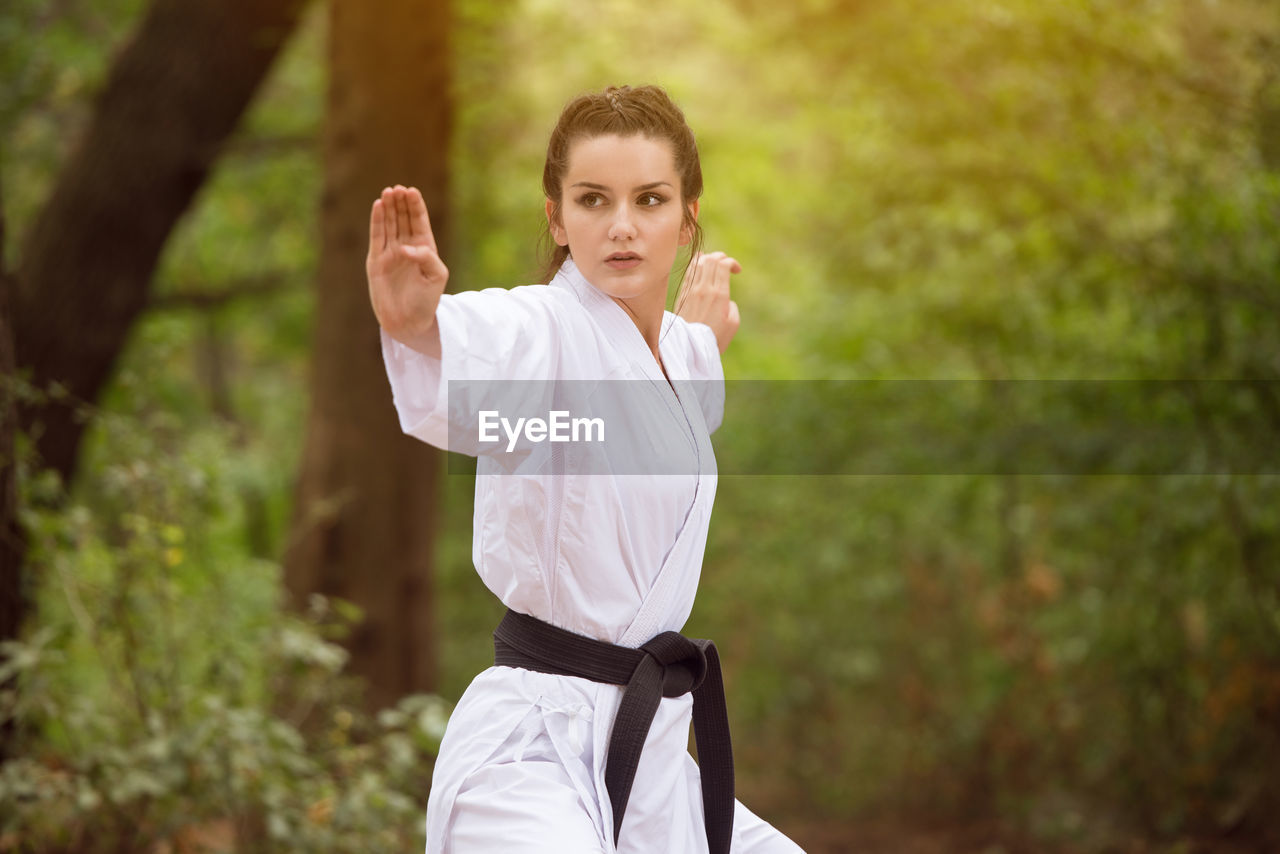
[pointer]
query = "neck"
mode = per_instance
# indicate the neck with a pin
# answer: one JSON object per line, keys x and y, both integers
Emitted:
{"x": 646, "y": 312}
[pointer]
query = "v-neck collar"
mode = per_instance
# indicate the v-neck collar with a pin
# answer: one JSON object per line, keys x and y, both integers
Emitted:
{"x": 621, "y": 329}
{"x": 624, "y": 334}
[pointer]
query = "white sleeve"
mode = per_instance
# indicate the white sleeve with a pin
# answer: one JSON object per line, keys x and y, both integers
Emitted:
{"x": 706, "y": 372}
{"x": 494, "y": 334}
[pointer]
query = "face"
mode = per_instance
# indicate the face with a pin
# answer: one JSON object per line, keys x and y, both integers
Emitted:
{"x": 622, "y": 214}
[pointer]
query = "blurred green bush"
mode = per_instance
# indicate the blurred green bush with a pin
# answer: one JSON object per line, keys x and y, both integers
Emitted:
{"x": 167, "y": 700}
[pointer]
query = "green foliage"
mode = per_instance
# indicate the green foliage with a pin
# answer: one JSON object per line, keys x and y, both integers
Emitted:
{"x": 1068, "y": 653}
{"x": 166, "y": 698}
{"x": 925, "y": 189}
{"x": 53, "y": 58}
{"x": 949, "y": 190}
{"x": 169, "y": 697}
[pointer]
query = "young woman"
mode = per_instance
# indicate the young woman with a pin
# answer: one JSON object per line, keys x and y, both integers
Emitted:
{"x": 576, "y": 740}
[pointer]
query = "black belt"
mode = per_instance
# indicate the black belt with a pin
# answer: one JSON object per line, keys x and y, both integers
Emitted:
{"x": 669, "y": 665}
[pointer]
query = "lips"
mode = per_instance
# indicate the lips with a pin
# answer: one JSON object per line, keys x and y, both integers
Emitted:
{"x": 622, "y": 260}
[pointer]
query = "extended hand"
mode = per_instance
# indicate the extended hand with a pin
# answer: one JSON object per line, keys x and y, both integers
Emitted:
{"x": 704, "y": 295}
{"x": 406, "y": 275}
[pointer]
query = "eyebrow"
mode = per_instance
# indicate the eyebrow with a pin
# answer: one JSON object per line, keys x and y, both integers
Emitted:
{"x": 593, "y": 186}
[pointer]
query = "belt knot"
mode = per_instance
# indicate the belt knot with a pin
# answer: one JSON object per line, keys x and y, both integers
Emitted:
{"x": 683, "y": 662}
{"x": 669, "y": 665}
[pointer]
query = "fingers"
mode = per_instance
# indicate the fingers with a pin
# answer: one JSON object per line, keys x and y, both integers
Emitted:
{"x": 377, "y": 229}
{"x": 690, "y": 274}
{"x": 428, "y": 262}
{"x": 419, "y": 254}
{"x": 389, "y": 228}
{"x": 724, "y": 268}
{"x": 404, "y": 219}
{"x": 400, "y": 215}
{"x": 705, "y": 288}
{"x": 713, "y": 270}
{"x": 404, "y": 231}
{"x": 704, "y": 295}
{"x": 420, "y": 219}
{"x": 725, "y": 263}
{"x": 732, "y": 322}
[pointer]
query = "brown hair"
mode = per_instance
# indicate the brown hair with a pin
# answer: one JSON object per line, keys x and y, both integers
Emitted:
{"x": 644, "y": 111}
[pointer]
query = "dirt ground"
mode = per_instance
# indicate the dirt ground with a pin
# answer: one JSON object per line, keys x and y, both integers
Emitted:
{"x": 902, "y": 837}
{"x": 889, "y": 836}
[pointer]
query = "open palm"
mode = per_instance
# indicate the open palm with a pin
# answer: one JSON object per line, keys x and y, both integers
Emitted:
{"x": 406, "y": 275}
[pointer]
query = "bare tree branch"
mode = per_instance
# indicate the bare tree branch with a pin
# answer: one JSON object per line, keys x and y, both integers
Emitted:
{"x": 205, "y": 299}
{"x": 172, "y": 99}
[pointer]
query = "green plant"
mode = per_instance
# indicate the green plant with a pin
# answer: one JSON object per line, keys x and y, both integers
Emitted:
{"x": 168, "y": 698}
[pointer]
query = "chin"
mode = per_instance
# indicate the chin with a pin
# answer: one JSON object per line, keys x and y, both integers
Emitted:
{"x": 620, "y": 285}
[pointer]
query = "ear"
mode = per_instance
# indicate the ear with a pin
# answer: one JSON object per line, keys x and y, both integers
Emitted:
{"x": 555, "y": 225}
{"x": 686, "y": 231}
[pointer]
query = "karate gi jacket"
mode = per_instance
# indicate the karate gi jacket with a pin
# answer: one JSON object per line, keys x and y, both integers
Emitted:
{"x": 612, "y": 556}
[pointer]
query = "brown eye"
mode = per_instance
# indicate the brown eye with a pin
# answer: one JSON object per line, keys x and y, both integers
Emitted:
{"x": 591, "y": 200}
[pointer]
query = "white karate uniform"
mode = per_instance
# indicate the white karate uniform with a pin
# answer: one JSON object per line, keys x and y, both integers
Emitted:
{"x": 614, "y": 557}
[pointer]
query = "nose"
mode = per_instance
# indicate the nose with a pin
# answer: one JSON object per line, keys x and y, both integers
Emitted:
{"x": 622, "y": 227}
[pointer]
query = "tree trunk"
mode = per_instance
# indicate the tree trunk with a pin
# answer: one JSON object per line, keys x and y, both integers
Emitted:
{"x": 366, "y": 499}
{"x": 172, "y": 99}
